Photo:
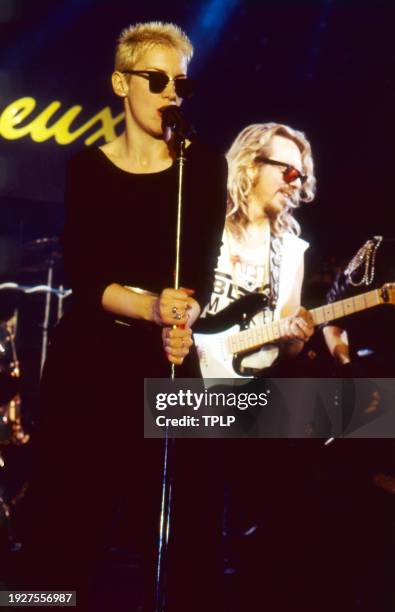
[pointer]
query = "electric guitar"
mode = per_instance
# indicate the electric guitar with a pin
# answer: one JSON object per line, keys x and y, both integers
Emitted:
{"x": 225, "y": 341}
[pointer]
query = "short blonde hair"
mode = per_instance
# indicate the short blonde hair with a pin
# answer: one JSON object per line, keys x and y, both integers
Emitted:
{"x": 253, "y": 141}
{"x": 136, "y": 39}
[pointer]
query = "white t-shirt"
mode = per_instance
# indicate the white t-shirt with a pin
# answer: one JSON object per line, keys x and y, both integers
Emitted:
{"x": 240, "y": 271}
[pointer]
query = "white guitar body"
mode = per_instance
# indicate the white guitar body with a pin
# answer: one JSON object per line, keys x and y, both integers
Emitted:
{"x": 225, "y": 353}
{"x": 216, "y": 359}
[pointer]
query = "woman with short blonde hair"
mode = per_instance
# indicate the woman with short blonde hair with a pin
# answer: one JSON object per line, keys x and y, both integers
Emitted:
{"x": 127, "y": 320}
{"x": 136, "y": 39}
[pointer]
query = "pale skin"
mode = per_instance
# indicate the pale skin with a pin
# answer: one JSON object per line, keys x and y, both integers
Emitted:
{"x": 142, "y": 149}
{"x": 267, "y": 199}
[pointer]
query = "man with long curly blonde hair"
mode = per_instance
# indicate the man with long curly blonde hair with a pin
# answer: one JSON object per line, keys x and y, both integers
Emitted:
{"x": 270, "y": 173}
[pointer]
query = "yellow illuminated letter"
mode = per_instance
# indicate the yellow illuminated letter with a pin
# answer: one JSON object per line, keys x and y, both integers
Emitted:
{"x": 14, "y": 114}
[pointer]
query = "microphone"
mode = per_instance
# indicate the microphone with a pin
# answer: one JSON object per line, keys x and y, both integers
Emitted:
{"x": 174, "y": 120}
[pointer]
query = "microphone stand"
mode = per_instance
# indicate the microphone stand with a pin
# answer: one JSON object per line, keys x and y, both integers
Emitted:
{"x": 168, "y": 453}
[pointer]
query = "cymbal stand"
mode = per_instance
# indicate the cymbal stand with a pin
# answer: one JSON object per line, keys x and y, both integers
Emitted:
{"x": 47, "y": 311}
{"x": 61, "y": 295}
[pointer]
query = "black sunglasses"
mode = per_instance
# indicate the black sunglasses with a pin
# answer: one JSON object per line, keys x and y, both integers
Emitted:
{"x": 290, "y": 173}
{"x": 158, "y": 82}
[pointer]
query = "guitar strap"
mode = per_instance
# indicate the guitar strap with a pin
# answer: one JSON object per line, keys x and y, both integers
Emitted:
{"x": 252, "y": 364}
{"x": 275, "y": 255}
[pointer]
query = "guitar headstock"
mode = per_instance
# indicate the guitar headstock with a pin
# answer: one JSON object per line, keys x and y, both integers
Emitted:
{"x": 387, "y": 293}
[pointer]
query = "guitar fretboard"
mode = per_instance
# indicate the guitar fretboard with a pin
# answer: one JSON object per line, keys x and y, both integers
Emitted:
{"x": 255, "y": 337}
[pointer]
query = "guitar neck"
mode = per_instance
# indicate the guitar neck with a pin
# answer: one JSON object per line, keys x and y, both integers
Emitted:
{"x": 343, "y": 308}
{"x": 270, "y": 332}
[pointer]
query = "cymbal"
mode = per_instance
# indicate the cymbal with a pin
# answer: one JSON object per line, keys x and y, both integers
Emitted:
{"x": 38, "y": 255}
{"x": 43, "y": 243}
{"x": 14, "y": 289}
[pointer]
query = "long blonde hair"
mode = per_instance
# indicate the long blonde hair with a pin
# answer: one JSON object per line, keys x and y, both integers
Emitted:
{"x": 254, "y": 140}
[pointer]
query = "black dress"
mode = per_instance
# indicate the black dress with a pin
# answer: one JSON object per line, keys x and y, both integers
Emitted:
{"x": 92, "y": 461}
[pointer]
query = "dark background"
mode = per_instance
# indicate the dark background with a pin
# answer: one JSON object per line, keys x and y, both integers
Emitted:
{"x": 325, "y": 67}
{"x": 322, "y": 66}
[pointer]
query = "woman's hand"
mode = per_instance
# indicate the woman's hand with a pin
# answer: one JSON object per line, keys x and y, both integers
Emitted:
{"x": 177, "y": 311}
{"x": 177, "y": 341}
{"x": 175, "y": 307}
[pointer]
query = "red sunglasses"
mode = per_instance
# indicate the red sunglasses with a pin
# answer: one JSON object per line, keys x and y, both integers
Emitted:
{"x": 290, "y": 173}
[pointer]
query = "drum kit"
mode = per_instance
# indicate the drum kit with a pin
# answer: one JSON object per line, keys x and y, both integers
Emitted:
{"x": 37, "y": 258}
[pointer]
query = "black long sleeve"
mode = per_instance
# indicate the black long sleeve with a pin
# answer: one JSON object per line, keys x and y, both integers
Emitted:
{"x": 120, "y": 227}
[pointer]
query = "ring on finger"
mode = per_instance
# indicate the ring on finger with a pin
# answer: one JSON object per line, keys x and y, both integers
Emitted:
{"x": 176, "y": 313}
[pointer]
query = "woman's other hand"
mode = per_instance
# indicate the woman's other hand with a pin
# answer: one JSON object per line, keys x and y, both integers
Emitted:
{"x": 177, "y": 341}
